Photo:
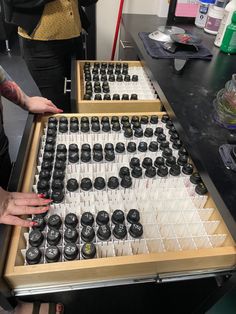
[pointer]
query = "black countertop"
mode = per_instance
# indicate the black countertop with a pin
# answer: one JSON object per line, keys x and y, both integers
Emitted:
{"x": 188, "y": 98}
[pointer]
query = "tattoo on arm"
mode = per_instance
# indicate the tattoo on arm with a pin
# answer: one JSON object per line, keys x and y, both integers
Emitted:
{"x": 12, "y": 92}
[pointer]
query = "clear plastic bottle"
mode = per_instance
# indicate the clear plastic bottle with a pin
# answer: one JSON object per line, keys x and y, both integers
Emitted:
{"x": 226, "y": 20}
{"x": 201, "y": 17}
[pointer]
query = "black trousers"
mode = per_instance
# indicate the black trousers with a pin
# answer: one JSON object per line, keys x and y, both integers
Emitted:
{"x": 49, "y": 62}
{"x": 5, "y": 161}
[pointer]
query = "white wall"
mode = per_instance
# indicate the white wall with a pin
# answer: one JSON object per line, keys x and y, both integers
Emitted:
{"x": 107, "y": 12}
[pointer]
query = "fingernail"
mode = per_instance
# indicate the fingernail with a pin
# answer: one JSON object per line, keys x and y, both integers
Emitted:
{"x": 60, "y": 110}
{"x": 41, "y": 195}
{"x": 34, "y": 223}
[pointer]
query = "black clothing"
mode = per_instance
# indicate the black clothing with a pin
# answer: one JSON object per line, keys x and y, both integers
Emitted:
{"x": 5, "y": 162}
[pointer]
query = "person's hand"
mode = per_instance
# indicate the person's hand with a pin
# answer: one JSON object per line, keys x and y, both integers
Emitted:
{"x": 40, "y": 105}
{"x": 14, "y": 204}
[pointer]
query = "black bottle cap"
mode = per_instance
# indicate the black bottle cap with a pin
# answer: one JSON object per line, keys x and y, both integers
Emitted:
{"x": 73, "y": 148}
{"x": 54, "y": 221}
{"x": 116, "y": 126}
{"x": 131, "y": 147}
{"x": 148, "y": 132}
{"x": 57, "y": 196}
{"x": 73, "y": 157}
{"x": 159, "y": 161}
{"x": 142, "y": 147}
{"x": 147, "y": 162}
{"x": 41, "y": 223}
{"x": 154, "y": 119}
{"x": 182, "y": 160}
{"x": 58, "y": 174}
{"x": 165, "y": 118}
{"x": 74, "y": 127}
{"x": 52, "y": 120}
{"x": 119, "y": 77}
{"x": 97, "y": 64}
{"x": 137, "y": 125}
{"x": 111, "y": 78}
{"x": 74, "y": 120}
{"x": 170, "y": 160}
{"x": 187, "y": 169}
{"x": 116, "y": 97}
{"x": 86, "y": 184}
{"x": 63, "y": 120}
{"x": 95, "y": 127}
{"x": 174, "y": 137}
{"x": 195, "y": 178}
{"x": 60, "y": 165}
{"x": 126, "y": 182}
{"x": 120, "y": 147}
{"x": 33, "y": 255}
{"x": 201, "y": 189}
{"x": 71, "y": 251}
{"x": 162, "y": 171}
{"x": 61, "y": 156}
{"x": 134, "y": 162}
{"x": 84, "y": 127}
{"x": 128, "y": 133}
{"x": 85, "y": 147}
{"x": 118, "y": 216}
{"x": 98, "y": 96}
{"x": 53, "y": 236}
{"x": 136, "y": 230}
{"x": 118, "y": 65}
{"x": 167, "y": 152}
{"x": 177, "y": 144}
{"x": 50, "y": 140}
{"x": 48, "y": 156}
{"x": 127, "y": 78}
{"x": 71, "y": 235}
{"x": 110, "y": 155}
{"x": 164, "y": 144}
{"x": 110, "y": 71}
{"x": 120, "y": 231}
{"x": 124, "y": 171}
{"x": 97, "y": 156}
{"x": 85, "y": 156}
{"x": 52, "y": 254}
{"x": 115, "y": 119}
{"x": 88, "y": 250}
{"x": 109, "y": 147}
{"x": 136, "y": 172}
{"x": 169, "y": 124}
{"x": 87, "y": 219}
{"x": 153, "y": 146}
{"x": 104, "y": 232}
{"x": 105, "y": 119}
{"x": 63, "y": 127}
{"x": 133, "y": 216}
{"x": 106, "y": 127}
{"x": 126, "y": 125}
{"x": 57, "y": 185}
{"x": 84, "y": 119}
{"x": 99, "y": 183}
{"x": 87, "y": 233}
{"x": 161, "y": 137}
{"x": 133, "y": 97}
{"x": 49, "y": 148}
{"x": 102, "y": 218}
{"x": 36, "y": 238}
{"x": 107, "y": 97}
{"x": 71, "y": 220}
{"x": 113, "y": 183}
{"x": 125, "y": 71}
{"x": 134, "y": 119}
{"x": 125, "y": 97}
{"x": 175, "y": 170}
{"x": 172, "y": 130}
{"x": 96, "y": 77}
{"x": 51, "y": 133}
{"x": 124, "y": 119}
{"x": 182, "y": 151}
{"x": 150, "y": 172}
{"x": 144, "y": 120}
{"x": 72, "y": 185}
{"x": 44, "y": 175}
{"x": 135, "y": 78}
{"x": 43, "y": 185}
{"x": 97, "y": 147}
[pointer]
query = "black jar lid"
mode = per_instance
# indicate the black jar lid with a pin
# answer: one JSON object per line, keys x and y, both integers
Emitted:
{"x": 85, "y": 147}
{"x": 161, "y": 137}
{"x": 84, "y": 127}
{"x": 113, "y": 182}
{"x": 57, "y": 185}
{"x": 51, "y": 133}
{"x": 50, "y": 140}
{"x": 126, "y": 125}
{"x": 120, "y": 231}
{"x": 124, "y": 119}
{"x": 115, "y": 119}
{"x": 87, "y": 97}
{"x": 177, "y": 144}
{"x": 44, "y": 175}
{"x": 74, "y": 120}
{"x": 153, "y": 146}
{"x": 172, "y": 130}
{"x": 167, "y": 152}
{"x": 43, "y": 185}
{"x": 84, "y": 119}
{"x": 107, "y": 97}
{"x": 120, "y": 147}
{"x": 33, "y": 255}
{"x": 187, "y": 169}
{"x": 148, "y": 132}
{"x": 147, "y": 162}
{"x": 104, "y": 232}
{"x": 71, "y": 235}
{"x": 88, "y": 250}
{"x": 162, "y": 171}
{"x": 150, "y": 172}
{"x": 159, "y": 161}
{"x": 97, "y": 147}
{"x": 111, "y": 78}
{"x": 170, "y": 160}
{"x": 95, "y": 127}
{"x": 137, "y": 172}
{"x": 195, "y": 178}
{"x": 60, "y": 165}
{"x": 71, "y": 220}
{"x": 53, "y": 236}
{"x": 61, "y": 148}
{"x": 124, "y": 171}
{"x": 71, "y": 251}
{"x": 110, "y": 155}
{"x": 164, "y": 144}
{"x": 138, "y": 132}
{"x": 116, "y": 126}
{"x": 48, "y": 156}
{"x": 133, "y": 97}
{"x": 52, "y": 120}
{"x": 41, "y": 223}
{"x": 52, "y": 126}
{"x": 63, "y": 127}
{"x": 135, "y": 78}
{"x": 127, "y": 78}
{"x": 102, "y": 218}
{"x": 169, "y": 124}
{"x": 144, "y": 120}
{"x": 36, "y": 238}
{"x": 49, "y": 148}
{"x": 174, "y": 136}
{"x": 54, "y": 221}
{"x": 85, "y": 156}
{"x": 154, "y": 119}
{"x": 134, "y": 119}
{"x": 57, "y": 196}
{"x": 109, "y": 147}
{"x": 61, "y": 156}
{"x": 182, "y": 151}
{"x": 87, "y": 219}
{"x": 72, "y": 185}
{"x": 201, "y": 189}
{"x": 175, "y": 170}
{"x": 73, "y": 148}
{"x": 63, "y": 119}
{"x": 115, "y": 96}
{"x": 142, "y": 147}
{"x": 86, "y": 184}
{"x": 165, "y": 118}
{"x": 99, "y": 183}
{"x": 131, "y": 147}
{"x": 134, "y": 162}
{"x": 125, "y": 97}
{"x": 136, "y": 125}
{"x": 126, "y": 182}
{"x": 128, "y": 133}
{"x": 106, "y": 127}
{"x": 73, "y": 157}
{"x": 52, "y": 254}
{"x": 136, "y": 230}
{"x": 97, "y": 156}
{"x": 182, "y": 160}
{"x": 118, "y": 216}
{"x": 133, "y": 216}
{"x": 87, "y": 233}
{"x": 58, "y": 174}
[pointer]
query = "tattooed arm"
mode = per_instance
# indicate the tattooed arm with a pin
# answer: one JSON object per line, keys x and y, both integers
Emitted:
{"x": 10, "y": 90}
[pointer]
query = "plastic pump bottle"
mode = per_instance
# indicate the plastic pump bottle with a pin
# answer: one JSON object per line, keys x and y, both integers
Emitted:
{"x": 201, "y": 17}
{"x": 226, "y": 20}
{"x": 229, "y": 40}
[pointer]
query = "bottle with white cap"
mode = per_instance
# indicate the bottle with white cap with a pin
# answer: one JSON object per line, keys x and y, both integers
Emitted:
{"x": 226, "y": 20}
{"x": 214, "y": 17}
{"x": 201, "y": 17}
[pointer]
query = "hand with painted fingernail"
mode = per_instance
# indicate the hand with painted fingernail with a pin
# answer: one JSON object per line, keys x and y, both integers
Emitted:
{"x": 14, "y": 204}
